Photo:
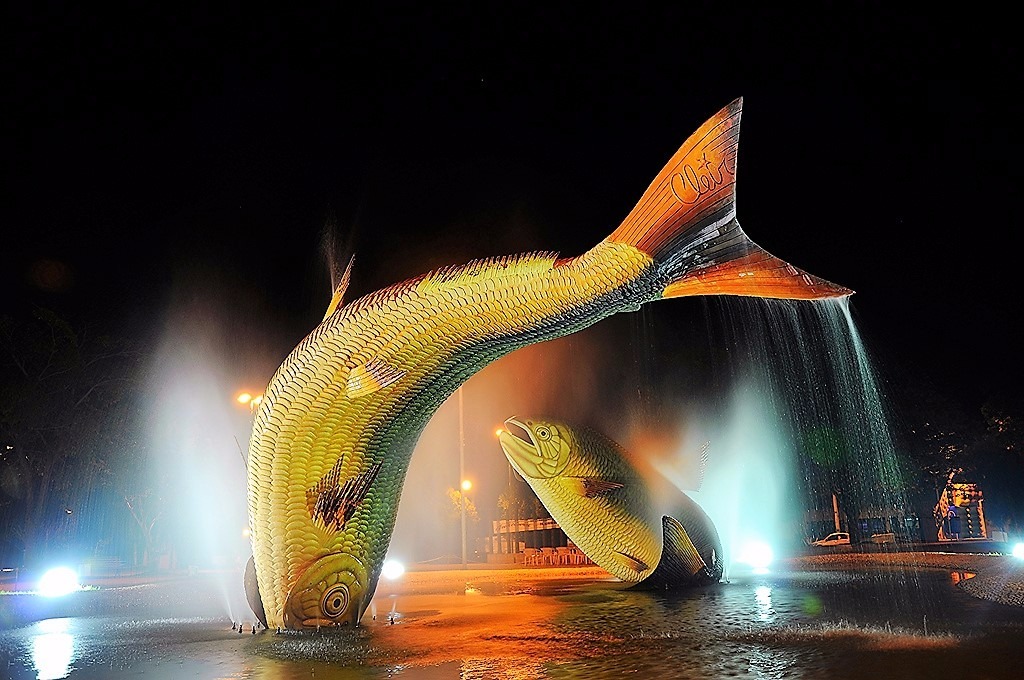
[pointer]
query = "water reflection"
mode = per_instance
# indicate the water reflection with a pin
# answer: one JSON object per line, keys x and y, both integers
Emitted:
{"x": 763, "y": 595}
{"x": 811, "y": 624}
{"x": 53, "y": 649}
{"x": 958, "y": 576}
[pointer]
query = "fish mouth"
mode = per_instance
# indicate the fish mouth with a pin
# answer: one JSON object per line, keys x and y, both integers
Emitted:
{"x": 522, "y": 452}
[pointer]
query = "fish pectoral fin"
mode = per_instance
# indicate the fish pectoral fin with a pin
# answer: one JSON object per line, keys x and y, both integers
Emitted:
{"x": 374, "y": 375}
{"x": 252, "y": 592}
{"x": 634, "y": 563}
{"x": 334, "y": 504}
{"x": 679, "y": 552}
{"x": 591, "y": 487}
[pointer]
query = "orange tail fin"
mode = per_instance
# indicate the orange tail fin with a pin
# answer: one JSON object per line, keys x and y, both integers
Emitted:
{"x": 686, "y": 221}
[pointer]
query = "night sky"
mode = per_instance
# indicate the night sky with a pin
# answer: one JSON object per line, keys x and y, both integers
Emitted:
{"x": 173, "y": 160}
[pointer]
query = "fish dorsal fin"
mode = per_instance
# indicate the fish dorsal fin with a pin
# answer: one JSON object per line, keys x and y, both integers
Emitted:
{"x": 591, "y": 487}
{"x": 634, "y": 563}
{"x": 702, "y": 466}
{"x": 486, "y": 269}
{"x": 340, "y": 289}
{"x": 374, "y": 375}
{"x": 705, "y": 447}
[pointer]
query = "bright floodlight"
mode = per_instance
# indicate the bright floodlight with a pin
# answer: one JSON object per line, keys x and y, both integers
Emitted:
{"x": 466, "y": 485}
{"x": 58, "y": 581}
{"x": 757, "y": 555}
{"x": 244, "y": 398}
{"x": 1018, "y": 551}
{"x": 392, "y": 569}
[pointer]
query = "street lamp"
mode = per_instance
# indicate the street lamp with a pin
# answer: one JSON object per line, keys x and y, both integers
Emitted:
{"x": 462, "y": 475}
{"x": 247, "y": 399}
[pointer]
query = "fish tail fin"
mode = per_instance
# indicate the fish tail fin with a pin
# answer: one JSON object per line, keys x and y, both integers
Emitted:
{"x": 679, "y": 547}
{"x": 686, "y": 222}
{"x": 681, "y": 564}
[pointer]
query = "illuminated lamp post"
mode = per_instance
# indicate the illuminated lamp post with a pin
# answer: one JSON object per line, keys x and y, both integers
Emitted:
{"x": 462, "y": 476}
{"x": 247, "y": 399}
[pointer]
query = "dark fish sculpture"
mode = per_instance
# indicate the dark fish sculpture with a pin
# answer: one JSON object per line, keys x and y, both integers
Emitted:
{"x": 332, "y": 438}
{"x": 641, "y": 529}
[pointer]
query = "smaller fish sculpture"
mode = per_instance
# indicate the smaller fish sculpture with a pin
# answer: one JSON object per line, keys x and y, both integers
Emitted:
{"x": 642, "y": 530}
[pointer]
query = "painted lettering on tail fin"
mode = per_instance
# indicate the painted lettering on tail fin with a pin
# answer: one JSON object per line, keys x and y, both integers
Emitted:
{"x": 697, "y": 186}
{"x": 686, "y": 222}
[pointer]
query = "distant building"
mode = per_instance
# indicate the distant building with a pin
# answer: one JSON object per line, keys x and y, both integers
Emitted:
{"x": 960, "y": 514}
{"x": 513, "y": 541}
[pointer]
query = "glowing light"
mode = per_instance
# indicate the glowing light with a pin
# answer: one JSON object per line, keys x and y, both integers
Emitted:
{"x": 53, "y": 649}
{"x": 246, "y": 532}
{"x": 1018, "y": 551}
{"x": 497, "y": 433}
{"x": 466, "y": 485}
{"x": 245, "y": 398}
{"x": 756, "y": 554}
{"x": 58, "y": 581}
{"x": 392, "y": 569}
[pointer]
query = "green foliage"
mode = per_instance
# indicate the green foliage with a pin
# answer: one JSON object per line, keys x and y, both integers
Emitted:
{"x": 455, "y": 506}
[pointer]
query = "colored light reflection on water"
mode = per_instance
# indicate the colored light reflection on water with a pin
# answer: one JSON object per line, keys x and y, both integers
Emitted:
{"x": 538, "y": 624}
{"x": 53, "y": 649}
{"x": 959, "y": 576}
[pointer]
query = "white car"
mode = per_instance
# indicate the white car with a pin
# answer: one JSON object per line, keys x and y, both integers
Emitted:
{"x": 835, "y": 538}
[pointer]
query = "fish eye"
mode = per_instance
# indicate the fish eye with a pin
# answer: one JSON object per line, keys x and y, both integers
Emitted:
{"x": 543, "y": 433}
{"x": 335, "y": 601}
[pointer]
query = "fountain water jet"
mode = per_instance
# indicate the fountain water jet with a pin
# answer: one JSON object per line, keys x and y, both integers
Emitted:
{"x": 806, "y": 399}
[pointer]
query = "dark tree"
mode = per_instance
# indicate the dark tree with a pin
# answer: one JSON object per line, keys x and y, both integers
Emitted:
{"x": 68, "y": 425}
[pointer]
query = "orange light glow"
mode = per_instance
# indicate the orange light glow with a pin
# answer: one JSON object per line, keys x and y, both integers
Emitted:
{"x": 243, "y": 398}
{"x": 497, "y": 433}
{"x": 466, "y": 485}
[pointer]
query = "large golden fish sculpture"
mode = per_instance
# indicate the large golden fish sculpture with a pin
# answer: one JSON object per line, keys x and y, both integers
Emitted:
{"x": 332, "y": 438}
{"x": 641, "y": 528}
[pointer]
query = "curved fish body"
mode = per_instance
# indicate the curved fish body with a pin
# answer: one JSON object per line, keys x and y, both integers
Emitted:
{"x": 332, "y": 438}
{"x": 639, "y": 529}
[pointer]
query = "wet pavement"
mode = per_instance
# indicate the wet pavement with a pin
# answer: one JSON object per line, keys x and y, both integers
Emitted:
{"x": 879, "y": 622}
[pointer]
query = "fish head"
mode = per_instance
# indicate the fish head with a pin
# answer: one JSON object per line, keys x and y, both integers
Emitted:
{"x": 543, "y": 452}
{"x": 330, "y": 592}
